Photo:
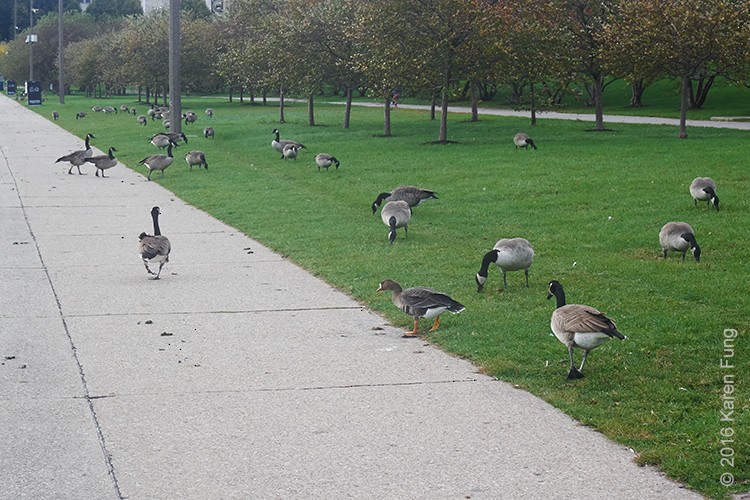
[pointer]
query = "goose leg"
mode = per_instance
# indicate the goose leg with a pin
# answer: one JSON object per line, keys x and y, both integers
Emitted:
{"x": 147, "y": 269}
{"x": 526, "y": 272}
{"x": 574, "y": 373}
{"x": 683, "y": 255}
{"x": 159, "y": 272}
{"x": 436, "y": 324}
{"x": 149, "y": 175}
{"x": 412, "y": 333}
{"x": 70, "y": 171}
{"x": 505, "y": 283}
{"x": 585, "y": 355}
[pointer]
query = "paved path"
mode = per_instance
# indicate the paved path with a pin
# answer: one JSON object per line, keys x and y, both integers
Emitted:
{"x": 237, "y": 375}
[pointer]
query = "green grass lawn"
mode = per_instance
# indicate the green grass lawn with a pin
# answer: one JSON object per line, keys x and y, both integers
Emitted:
{"x": 590, "y": 203}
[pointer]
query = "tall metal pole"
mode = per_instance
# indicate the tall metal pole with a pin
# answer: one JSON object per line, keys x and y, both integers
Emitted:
{"x": 60, "y": 54}
{"x": 31, "y": 43}
{"x": 175, "y": 99}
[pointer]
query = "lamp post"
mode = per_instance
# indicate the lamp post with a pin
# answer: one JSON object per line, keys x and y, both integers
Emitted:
{"x": 31, "y": 38}
{"x": 60, "y": 52}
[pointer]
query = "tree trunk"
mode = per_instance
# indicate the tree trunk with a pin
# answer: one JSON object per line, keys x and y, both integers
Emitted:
{"x": 443, "y": 136}
{"x": 387, "y": 116}
{"x": 348, "y": 107}
{"x": 474, "y": 102}
{"x": 281, "y": 104}
{"x": 433, "y": 104}
{"x": 684, "y": 91}
{"x": 637, "y": 88}
{"x": 311, "y": 109}
{"x": 242, "y": 94}
{"x": 698, "y": 98}
{"x": 532, "y": 96}
{"x": 598, "y": 91}
{"x": 231, "y": 93}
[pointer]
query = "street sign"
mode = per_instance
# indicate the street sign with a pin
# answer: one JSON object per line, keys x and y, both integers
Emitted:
{"x": 34, "y": 93}
{"x": 11, "y": 87}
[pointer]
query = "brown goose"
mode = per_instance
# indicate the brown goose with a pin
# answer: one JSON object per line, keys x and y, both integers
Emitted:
{"x": 579, "y": 326}
{"x": 158, "y": 162}
{"x": 679, "y": 237}
{"x": 154, "y": 249}
{"x": 103, "y": 162}
{"x": 78, "y": 158}
{"x": 522, "y": 140}
{"x": 196, "y": 158}
{"x": 704, "y": 189}
{"x": 509, "y": 255}
{"x": 396, "y": 214}
{"x": 420, "y": 302}
{"x": 410, "y": 194}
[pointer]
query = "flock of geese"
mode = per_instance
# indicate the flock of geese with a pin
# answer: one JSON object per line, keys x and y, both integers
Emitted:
{"x": 576, "y": 326}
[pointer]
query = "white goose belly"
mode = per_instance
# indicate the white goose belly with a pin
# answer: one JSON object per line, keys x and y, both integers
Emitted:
{"x": 589, "y": 340}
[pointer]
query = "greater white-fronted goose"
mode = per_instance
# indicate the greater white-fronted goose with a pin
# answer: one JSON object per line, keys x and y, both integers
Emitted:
{"x": 420, "y": 302}
{"x": 579, "y": 326}
{"x": 511, "y": 254}
{"x": 154, "y": 249}
{"x": 679, "y": 237}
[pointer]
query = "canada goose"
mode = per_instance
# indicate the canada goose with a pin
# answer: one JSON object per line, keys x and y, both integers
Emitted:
{"x": 142, "y": 120}
{"x": 325, "y": 160}
{"x": 80, "y": 114}
{"x": 108, "y": 110}
{"x": 124, "y": 108}
{"x": 210, "y": 112}
{"x": 396, "y": 214}
{"x": 278, "y": 144}
{"x": 679, "y": 237}
{"x": 509, "y": 255}
{"x": 579, "y": 326}
{"x": 96, "y": 109}
{"x": 176, "y": 138}
{"x": 704, "y": 189}
{"x": 164, "y": 139}
{"x": 290, "y": 151}
{"x": 133, "y": 111}
{"x": 208, "y": 132}
{"x": 151, "y": 112}
{"x": 410, "y": 194}
{"x": 190, "y": 117}
{"x": 55, "y": 115}
{"x": 78, "y": 158}
{"x": 420, "y": 302}
{"x": 523, "y": 141}
{"x": 103, "y": 162}
{"x": 158, "y": 162}
{"x": 154, "y": 248}
{"x": 196, "y": 158}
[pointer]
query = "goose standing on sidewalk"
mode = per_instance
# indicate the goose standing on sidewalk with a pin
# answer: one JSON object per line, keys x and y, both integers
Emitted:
{"x": 103, "y": 162}
{"x": 154, "y": 249}
{"x": 78, "y": 158}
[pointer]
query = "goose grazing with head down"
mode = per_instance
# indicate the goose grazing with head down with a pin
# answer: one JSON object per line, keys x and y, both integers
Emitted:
{"x": 196, "y": 158}
{"x": 290, "y": 151}
{"x": 324, "y": 160}
{"x": 704, "y": 189}
{"x": 523, "y": 141}
{"x": 154, "y": 249}
{"x": 78, "y": 158}
{"x": 679, "y": 237}
{"x": 509, "y": 255}
{"x": 579, "y": 326}
{"x": 103, "y": 162}
{"x": 420, "y": 302}
{"x": 410, "y": 194}
{"x": 158, "y": 162}
{"x": 208, "y": 132}
{"x": 278, "y": 144}
{"x": 396, "y": 214}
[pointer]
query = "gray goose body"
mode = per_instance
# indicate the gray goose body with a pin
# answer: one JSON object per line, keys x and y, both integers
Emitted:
{"x": 679, "y": 237}
{"x": 396, "y": 214}
{"x": 142, "y": 120}
{"x": 511, "y": 254}
{"x": 78, "y": 158}
{"x": 290, "y": 152}
{"x": 522, "y": 140}
{"x": 103, "y": 162}
{"x": 196, "y": 158}
{"x": 154, "y": 249}
{"x": 579, "y": 326}
{"x": 324, "y": 160}
{"x": 158, "y": 162}
{"x": 208, "y": 132}
{"x": 410, "y": 194}
{"x": 210, "y": 112}
{"x": 279, "y": 144}
{"x": 704, "y": 189}
{"x": 420, "y": 302}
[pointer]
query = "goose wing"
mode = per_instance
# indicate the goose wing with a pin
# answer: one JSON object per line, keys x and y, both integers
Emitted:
{"x": 152, "y": 246}
{"x": 419, "y": 299}
{"x": 576, "y": 318}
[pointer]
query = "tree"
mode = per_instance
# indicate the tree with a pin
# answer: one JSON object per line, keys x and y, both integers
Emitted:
{"x": 114, "y": 8}
{"x": 685, "y": 39}
{"x": 196, "y": 9}
{"x": 21, "y": 14}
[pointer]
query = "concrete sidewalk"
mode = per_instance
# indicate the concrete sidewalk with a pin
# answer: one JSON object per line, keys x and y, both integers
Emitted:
{"x": 237, "y": 375}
